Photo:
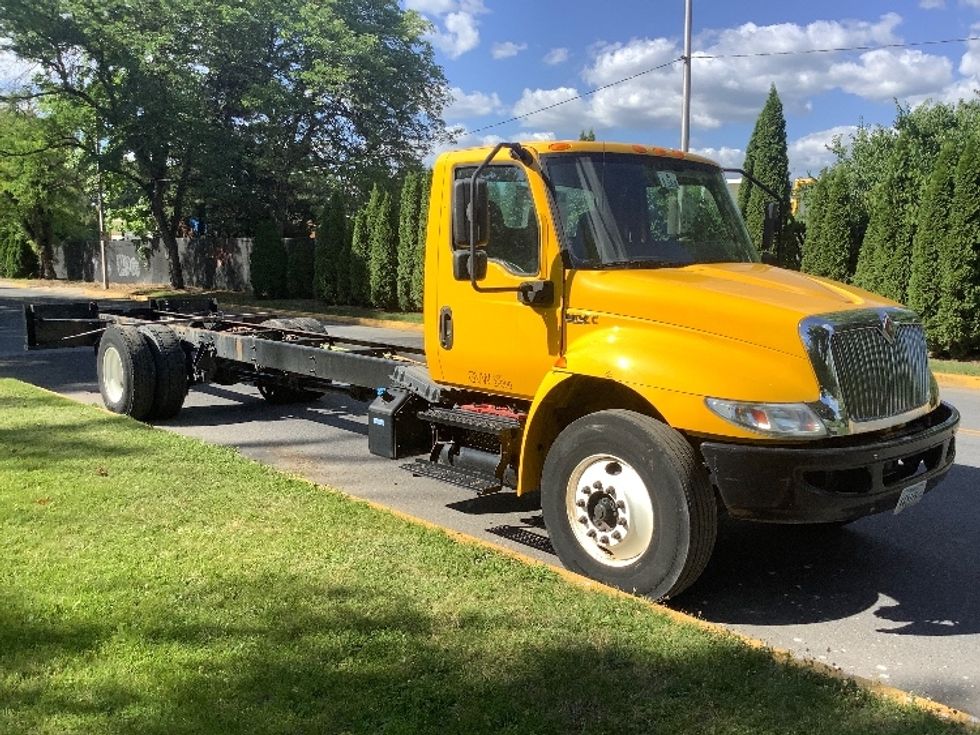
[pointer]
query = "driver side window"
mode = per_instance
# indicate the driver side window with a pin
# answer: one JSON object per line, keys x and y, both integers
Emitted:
{"x": 513, "y": 238}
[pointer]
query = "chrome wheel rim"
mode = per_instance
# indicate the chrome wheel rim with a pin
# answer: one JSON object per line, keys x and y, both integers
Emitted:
{"x": 609, "y": 510}
{"x": 112, "y": 374}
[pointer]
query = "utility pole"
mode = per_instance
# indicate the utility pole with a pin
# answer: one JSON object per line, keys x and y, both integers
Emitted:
{"x": 100, "y": 207}
{"x": 686, "y": 58}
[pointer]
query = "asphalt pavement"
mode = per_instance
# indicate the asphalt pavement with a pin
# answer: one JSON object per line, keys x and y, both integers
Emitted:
{"x": 893, "y": 598}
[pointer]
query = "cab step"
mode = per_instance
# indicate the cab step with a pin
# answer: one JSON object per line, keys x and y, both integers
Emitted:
{"x": 478, "y": 482}
{"x": 483, "y": 423}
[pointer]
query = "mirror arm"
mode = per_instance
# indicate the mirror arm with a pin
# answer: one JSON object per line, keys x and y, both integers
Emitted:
{"x": 521, "y": 154}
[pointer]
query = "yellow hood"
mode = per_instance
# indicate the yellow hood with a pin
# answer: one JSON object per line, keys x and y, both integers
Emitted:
{"x": 749, "y": 302}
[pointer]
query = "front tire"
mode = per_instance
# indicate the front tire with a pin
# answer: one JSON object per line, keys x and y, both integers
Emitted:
{"x": 126, "y": 371}
{"x": 627, "y": 502}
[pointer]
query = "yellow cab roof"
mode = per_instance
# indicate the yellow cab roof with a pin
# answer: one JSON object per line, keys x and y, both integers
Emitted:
{"x": 553, "y": 147}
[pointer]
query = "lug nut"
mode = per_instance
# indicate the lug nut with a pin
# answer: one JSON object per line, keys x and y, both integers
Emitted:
{"x": 586, "y": 490}
{"x": 591, "y": 533}
{"x": 623, "y": 523}
{"x": 604, "y": 540}
{"x": 597, "y": 485}
{"x": 621, "y": 505}
{"x": 583, "y": 520}
{"x": 580, "y": 503}
{"x": 611, "y": 490}
{"x": 617, "y": 535}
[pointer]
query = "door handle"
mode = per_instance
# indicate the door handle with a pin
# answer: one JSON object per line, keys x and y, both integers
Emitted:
{"x": 446, "y": 328}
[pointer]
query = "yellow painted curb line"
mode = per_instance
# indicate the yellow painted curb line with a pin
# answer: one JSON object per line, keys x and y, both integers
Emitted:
{"x": 779, "y": 655}
{"x": 951, "y": 380}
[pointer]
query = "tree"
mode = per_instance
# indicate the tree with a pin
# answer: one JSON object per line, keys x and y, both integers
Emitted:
{"x": 766, "y": 159}
{"x": 382, "y": 251}
{"x": 331, "y": 236}
{"x": 408, "y": 238}
{"x": 831, "y": 239}
{"x": 357, "y": 264}
{"x": 931, "y": 236}
{"x": 587, "y": 135}
{"x": 250, "y": 104}
{"x": 957, "y": 322}
{"x": 42, "y": 197}
{"x": 267, "y": 262}
{"x": 418, "y": 269}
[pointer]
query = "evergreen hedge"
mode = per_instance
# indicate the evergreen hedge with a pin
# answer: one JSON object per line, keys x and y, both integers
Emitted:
{"x": 267, "y": 262}
{"x": 382, "y": 251}
{"x": 17, "y": 258}
{"x": 300, "y": 268}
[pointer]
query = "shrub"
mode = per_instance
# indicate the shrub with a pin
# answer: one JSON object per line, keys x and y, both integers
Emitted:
{"x": 267, "y": 262}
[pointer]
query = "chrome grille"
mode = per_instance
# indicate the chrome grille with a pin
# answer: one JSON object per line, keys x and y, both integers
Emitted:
{"x": 879, "y": 378}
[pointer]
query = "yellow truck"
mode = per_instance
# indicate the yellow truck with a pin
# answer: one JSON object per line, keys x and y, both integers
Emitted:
{"x": 598, "y": 329}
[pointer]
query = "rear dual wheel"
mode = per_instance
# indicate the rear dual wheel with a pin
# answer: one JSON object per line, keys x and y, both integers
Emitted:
{"x": 142, "y": 371}
{"x": 626, "y": 502}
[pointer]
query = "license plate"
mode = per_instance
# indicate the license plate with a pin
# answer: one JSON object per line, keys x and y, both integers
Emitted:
{"x": 910, "y": 496}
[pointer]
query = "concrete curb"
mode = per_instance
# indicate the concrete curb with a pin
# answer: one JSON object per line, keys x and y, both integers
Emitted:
{"x": 952, "y": 380}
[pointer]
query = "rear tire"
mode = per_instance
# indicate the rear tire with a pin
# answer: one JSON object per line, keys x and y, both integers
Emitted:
{"x": 171, "y": 371}
{"x": 627, "y": 502}
{"x": 126, "y": 371}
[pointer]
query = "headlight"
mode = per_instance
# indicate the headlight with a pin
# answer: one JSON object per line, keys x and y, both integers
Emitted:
{"x": 775, "y": 419}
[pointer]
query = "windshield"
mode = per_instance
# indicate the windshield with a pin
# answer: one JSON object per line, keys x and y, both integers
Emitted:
{"x": 634, "y": 211}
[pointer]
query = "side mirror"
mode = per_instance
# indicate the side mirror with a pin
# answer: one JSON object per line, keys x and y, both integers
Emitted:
{"x": 464, "y": 264}
{"x": 465, "y": 212}
{"x": 770, "y": 226}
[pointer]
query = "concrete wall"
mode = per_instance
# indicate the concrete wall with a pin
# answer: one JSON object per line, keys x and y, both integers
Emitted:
{"x": 220, "y": 264}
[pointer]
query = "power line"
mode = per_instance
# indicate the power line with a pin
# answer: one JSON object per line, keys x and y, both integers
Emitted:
{"x": 696, "y": 57}
{"x": 837, "y": 49}
{"x": 582, "y": 96}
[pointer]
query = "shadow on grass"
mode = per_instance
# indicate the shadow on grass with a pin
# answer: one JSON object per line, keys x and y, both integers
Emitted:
{"x": 295, "y": 658}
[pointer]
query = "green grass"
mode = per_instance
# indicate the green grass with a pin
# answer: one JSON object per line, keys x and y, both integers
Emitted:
{"x": 956, "y": 367}
{"x": 153, "y": 584}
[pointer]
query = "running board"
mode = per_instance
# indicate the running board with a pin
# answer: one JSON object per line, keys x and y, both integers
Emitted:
{"x": 478, "y": 482}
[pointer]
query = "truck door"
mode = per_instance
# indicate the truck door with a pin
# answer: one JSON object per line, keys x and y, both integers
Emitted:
{"x": 489, "y": 340}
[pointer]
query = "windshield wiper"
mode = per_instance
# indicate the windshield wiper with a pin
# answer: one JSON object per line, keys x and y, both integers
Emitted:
{"x": 628, "y": 263}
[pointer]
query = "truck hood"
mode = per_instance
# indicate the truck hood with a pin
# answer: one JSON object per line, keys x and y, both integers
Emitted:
{"x": 749, "y": 302}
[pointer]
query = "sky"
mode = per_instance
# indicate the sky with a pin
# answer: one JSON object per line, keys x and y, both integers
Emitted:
{"x": 505, "y": 58}
{"x": 509, "y": 58}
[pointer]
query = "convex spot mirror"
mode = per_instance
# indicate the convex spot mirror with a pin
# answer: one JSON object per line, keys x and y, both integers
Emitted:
{"x": 466, "y": 212}
{"x": 770, "y": 225}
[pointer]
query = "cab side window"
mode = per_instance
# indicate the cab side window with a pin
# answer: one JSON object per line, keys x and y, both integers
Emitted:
{"x": 513, "y": 237}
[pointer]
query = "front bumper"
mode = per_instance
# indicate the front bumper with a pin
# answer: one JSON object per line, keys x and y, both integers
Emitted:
{"x": 833, "y": 480}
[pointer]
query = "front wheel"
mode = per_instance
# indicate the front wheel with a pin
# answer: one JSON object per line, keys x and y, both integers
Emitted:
{"x": 627, "y": 502}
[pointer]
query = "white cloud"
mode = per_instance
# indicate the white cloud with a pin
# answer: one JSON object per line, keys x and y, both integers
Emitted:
{"x": 556, "y": 56}
{"x": 965, "y": 88}
{"x": 559, "y": 116}
{"x": 811, "y": 153}
{"x": 971, "y": 3}
{"x": 14, "y": 71}
{"x": 932, "y": 4}
{"x": 885, "y": 74}
{"x": 455, "y": 28}
{"x": 474, "y": 104}
{"x": 431, "y": 7}
{"x": 723, "y": 156}
{"x": 507, "y": 49}
{"x": 728, "y": 87}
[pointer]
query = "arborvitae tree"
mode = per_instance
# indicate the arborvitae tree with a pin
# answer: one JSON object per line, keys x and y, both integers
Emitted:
{"x": 931, "y": 235}
{"x": 816, "y": 207}
{"x": 587, "y": 135}
{"x": 331, "y": 235}
{"x": 767, "y": 160}
{"x": 408, "y": 235}
{"x": 957, "y": 323}
{"x": 418, "y": 269}
{"x": 267, "y": 263}
{"x": 300, "y": 268}
{"x": 831, "y": 248}
{"x": 341, "y": 270}
{"x": 383, "y": 259}
{"x": 357, "y": 263}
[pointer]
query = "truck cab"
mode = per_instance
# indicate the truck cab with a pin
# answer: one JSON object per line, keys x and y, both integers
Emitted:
{"x": 610, "y": 296}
